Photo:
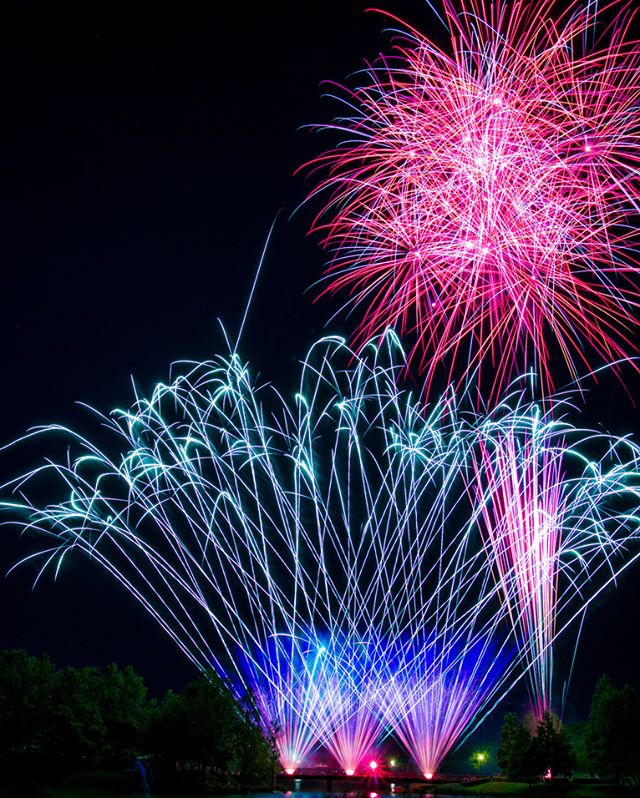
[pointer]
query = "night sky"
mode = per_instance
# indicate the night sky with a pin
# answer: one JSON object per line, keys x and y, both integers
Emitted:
{"x": 145, "y": 151}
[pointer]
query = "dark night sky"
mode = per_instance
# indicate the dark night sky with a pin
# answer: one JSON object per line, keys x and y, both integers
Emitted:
{"x": 145, "y": 150}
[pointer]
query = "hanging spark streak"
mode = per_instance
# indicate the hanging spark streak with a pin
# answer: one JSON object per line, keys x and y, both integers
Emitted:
{"x": 329, "y": 552}
{"x": 523, "y": 523}
{"x": 550, "y": 522}
{"x": 483, "y": 196}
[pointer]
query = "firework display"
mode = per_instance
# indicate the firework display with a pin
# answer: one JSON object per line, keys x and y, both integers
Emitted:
{"x": 358, "y": 559}
{"x": 482, "y": 195}
{"x": 361, "y": 563}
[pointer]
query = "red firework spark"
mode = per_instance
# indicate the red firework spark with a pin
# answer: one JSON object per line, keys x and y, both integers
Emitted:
{"x": 483, "y": 198}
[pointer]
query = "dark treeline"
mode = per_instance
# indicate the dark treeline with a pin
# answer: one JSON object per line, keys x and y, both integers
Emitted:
{"x": 607, "y": 746}
{"x": 99, "y": 725}
{"x": 532, "y": 749}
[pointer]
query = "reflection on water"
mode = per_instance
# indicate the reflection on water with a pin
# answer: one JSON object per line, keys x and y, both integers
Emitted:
{"x": 333, "y": 794}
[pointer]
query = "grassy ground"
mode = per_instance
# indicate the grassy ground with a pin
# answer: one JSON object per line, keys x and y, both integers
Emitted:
{"x": 564, "y": 789}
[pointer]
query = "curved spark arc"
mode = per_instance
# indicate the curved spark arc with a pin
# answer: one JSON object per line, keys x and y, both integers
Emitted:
{"x": 483, "y": 196}
{"x": 330, "y": 551}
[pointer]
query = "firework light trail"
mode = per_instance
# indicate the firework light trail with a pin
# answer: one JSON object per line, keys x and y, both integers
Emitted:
{"x": 482, "y": 196}
{"x": 550, "y": 521}
{"x": 330, "y": 552}
{"x": 431, "y": 702}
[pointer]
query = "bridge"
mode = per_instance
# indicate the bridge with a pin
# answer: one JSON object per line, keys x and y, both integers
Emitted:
{"x": 380, "y": 780}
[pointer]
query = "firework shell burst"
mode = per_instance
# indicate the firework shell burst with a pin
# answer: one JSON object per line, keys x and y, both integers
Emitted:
{"x": 344, "y": 554}
{"x": 482, "y": 196}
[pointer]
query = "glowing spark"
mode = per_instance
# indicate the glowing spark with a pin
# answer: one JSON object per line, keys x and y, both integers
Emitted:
{"x": 550, "y": 524}
{"x": 483, "y": 196}
{"x": 329, "y": 551}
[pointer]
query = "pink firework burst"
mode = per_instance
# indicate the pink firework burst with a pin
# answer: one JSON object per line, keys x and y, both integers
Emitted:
{"x": 482, "y": 198}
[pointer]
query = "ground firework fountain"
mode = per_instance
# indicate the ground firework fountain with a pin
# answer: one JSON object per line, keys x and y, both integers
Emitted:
{"x": 329, "y": 551}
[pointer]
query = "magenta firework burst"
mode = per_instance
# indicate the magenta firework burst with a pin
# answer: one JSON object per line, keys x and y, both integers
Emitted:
{"x": 482, "y": 194}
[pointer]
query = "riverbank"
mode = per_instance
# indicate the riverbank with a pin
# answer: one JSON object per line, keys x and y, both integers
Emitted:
{"x": 498, "y": 787}
{"x": 566, "y": 789}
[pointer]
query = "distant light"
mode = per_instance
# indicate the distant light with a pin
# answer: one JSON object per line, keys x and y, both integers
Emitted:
{"x": 428, "y": 776}
{"x": 289, "y": 771}
{"x": 349, "y": 771}
{"x": 392, "y": 762}
{"x": 479, "y": 758}
{"x": 373, "y": 795}
{"x": 373, "y": 764}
